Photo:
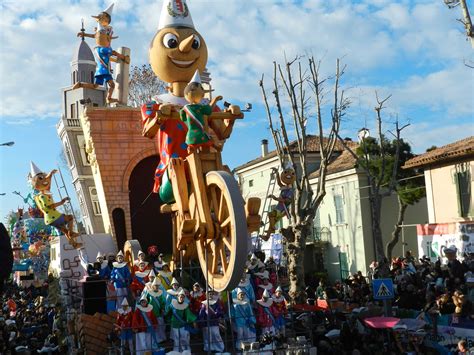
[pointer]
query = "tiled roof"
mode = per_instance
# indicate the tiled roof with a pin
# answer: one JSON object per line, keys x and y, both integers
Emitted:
{"x": 312, "y": 146}
{"x": 342, "y": 162}
{"x": 453, "y": 151}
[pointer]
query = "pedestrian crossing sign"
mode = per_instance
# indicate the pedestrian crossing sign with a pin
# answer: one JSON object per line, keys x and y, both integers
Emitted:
{"x": 383, "y": 289}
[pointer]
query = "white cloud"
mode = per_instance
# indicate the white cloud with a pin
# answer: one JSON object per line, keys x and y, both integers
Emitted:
{"x": 39, "y": 37}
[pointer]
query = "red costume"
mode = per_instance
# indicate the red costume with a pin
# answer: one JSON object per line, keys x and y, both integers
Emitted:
{"x": 265, "y": 315}
{"x": 139, "y": 280}
{"x": 261, "y": 289}
{"x": 196, "y": 301}
{"x": 124, "y": 320}
{"x": 138, "y": 322}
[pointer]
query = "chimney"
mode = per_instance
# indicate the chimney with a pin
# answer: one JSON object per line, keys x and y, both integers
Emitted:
{"x": 264, "y": 147}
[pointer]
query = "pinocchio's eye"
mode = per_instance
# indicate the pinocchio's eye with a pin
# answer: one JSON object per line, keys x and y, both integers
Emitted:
{"x": 196, "y": 42}
{"x": 170, "y": 40}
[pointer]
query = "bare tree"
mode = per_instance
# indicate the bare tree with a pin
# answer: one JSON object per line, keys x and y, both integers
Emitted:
{"x": 143, "y": 85}
{"x": 380, "y": 161}
{"x": 305, "y": 91}
{"x": 466, "y": 17}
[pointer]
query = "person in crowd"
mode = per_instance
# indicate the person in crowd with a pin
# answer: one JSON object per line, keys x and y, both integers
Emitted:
{"x": 182, "y": 322}
{"x": 156, "y": 298}
{"x": 280, "y": 311}
{"x": 196, "y": 297}
{"x": 121, "y": 278}
{"x": 144, "y": 325}
{"x": 244, "y": 319}
{"x": 123, "y": 326}
{"x": 166, "y": 276}
{"x": 245, "y": 286}
{"x": 265, "y": 317}
{"x": 103, "y": 266}
{"x": 209, "y": 318}
{"x": 139, "y": 279}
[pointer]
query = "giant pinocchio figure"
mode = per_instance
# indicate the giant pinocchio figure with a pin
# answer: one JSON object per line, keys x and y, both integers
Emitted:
{"x": 177, "y": 52}
{"x": 41, "y": 182}
{"x": 103, "y": 53}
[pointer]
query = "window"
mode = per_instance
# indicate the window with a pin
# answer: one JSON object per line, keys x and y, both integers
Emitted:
{"x": 83, "y": 76}
{"x": 250, "y": 183}
{"x": 73, "y": 77}
{"x": 67, "y": 150}
{"x": 463, "y": 186}
{"x": 73, "y": 110}
{"x": 82, "y": 204}
{"x": 95, "y": 201}
{"x": 339, "y": 205}
{"x": 53, "y": 254}
{"x": 82, "y": 146}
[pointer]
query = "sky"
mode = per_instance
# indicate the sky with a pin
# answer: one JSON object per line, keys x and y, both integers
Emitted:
{"x": 413, "y": 50}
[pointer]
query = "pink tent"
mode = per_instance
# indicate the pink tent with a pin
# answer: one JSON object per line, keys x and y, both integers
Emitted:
{"x": 381, "y": 322}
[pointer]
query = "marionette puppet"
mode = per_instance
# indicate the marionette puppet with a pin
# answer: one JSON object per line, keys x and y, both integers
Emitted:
{"x": 103, "y": 53}
{"x": 144, "y": 325}
{"x": 246, "y": 287}
{"x": 166, "y": 276}
{"x": 263, "y": 284}
{"x": 196, "y": 297}
{"x": 265, "y": 317}
{"x": 177, "y": 51}
{"x": 244, "y": 318}
{"x": 104, "y": 270}
{"x": 209, "y": 316}
{"x": 182, "y": 322}
{"x": 123, "y": 326}
{"x": 285, "y": 180}
{"x": 195, "y": 115}
{"x": 41, "y": 182}
{"x": 280, "y": 310}
{"x": 121, "y": 278}
{"x": 139, "y": 279}
{"x": 156, "y": 298}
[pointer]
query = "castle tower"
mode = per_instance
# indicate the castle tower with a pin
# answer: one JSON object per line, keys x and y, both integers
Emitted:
{"x": 72, "y": 137}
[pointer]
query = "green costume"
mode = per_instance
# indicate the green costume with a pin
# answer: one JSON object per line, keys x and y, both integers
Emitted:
{"x": 157, "y": 302}
{"x": 193, "y": 116}
{"x": 184, "y": 315}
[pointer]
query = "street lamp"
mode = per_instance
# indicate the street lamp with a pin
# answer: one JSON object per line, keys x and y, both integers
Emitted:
{"x": 8, "y": 144}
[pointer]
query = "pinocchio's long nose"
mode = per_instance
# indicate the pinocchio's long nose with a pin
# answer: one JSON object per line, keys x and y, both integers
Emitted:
{"x": 185, "y": 46}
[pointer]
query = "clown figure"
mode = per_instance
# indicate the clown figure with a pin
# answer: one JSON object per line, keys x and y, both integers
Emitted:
{"x": 246, "y": 287}
{"x": 141, "y": 259}
{"x": 139, "y": 279}
{"x": 156, "y": 298}
{"x": 158, "y": 263}
{"x": 172, "y": 293}
{"x": 166, "y": 276}
{"x": 121, "y": 277}
{"x": 280, "y": 310}
{"x": 264, "y": 284}
{"x": 181, "y": 320}
{"x": 104, "y": 270}
{"x": 197, "y": 296}
{"x": 244, "y": 319}
{"x": 209, "y": 316}
{"x": 123, "y": 325}
{"x": 265, "y": 318}
{"x": 144, "y": 325}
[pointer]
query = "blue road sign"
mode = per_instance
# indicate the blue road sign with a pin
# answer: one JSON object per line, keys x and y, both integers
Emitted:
{"x": 383, "y": 289}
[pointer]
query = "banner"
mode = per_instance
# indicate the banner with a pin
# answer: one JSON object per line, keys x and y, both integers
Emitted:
{"x": 433, "y": 238}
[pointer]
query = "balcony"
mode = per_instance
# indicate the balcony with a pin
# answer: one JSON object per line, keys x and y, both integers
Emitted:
{"x": 73, "y": 122}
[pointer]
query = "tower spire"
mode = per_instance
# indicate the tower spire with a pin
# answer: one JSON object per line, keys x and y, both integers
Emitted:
{"x": 82, "y": 29}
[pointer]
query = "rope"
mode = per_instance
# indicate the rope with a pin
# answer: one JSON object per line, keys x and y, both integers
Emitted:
{"x": 141, "y": 205}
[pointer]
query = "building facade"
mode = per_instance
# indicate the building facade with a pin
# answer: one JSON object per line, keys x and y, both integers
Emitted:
{"x": 449, "y": 173}
{"x": 343, "y": 221}
{"x": 72, "y": 137}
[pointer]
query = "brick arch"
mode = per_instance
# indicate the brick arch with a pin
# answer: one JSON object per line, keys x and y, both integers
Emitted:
{"x": 133, "y": 163}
